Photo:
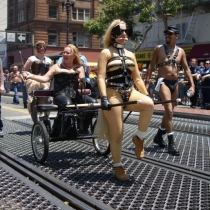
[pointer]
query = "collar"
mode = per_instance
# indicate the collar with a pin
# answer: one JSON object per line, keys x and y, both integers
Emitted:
{"x": 117, "y": 45}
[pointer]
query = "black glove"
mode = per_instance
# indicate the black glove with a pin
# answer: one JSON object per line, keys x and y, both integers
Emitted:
{"x": 105, "y": 105}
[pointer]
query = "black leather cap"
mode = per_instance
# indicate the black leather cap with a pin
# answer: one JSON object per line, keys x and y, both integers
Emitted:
{"x": 171, "y": 29}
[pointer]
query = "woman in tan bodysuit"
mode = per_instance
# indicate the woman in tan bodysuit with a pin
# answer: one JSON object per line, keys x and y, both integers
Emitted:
{"x": 117, "y": 70}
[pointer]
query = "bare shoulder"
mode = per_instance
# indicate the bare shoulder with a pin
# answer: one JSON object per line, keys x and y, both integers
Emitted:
{"x": 105, "y": 53}
{"x": 158, "y": 47}
{"x": 181, "y": 50}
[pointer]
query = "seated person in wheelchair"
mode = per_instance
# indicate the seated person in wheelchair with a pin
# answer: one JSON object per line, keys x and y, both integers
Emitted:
{"x": 68, "y": 77}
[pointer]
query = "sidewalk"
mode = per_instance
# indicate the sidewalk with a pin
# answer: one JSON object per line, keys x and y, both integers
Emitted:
{"x": 186, "y": 111}
{"x": 179, "y": 111}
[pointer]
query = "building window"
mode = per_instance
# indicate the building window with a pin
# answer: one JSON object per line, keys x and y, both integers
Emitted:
{"x": 28, "y": 12}
{"x": 81, "y": 14}
{"x": 11, "y": 2}
{"x": 11, "y": 16}
{"x": 52, "y": 38}
{"x": 20, "y": 16}
{"x": 182, "y": 30}
{"x": 53, "y": 12}
{"x": 81, "y": 39}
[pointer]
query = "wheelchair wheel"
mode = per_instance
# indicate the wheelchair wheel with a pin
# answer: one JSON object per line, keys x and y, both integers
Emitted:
{"x": 40, "y": 141}
{"x": 102, "y": 147}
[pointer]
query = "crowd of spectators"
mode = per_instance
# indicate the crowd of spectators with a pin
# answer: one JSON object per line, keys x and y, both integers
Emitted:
{"x": 201, "y": 77}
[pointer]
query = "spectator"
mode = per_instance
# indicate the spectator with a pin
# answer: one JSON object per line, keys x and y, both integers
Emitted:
{"x": 6, "y": 81}
{"x": 195, "y": 71}
{"x": 205, "y": 83}
{"x": 182, "y": 88}
{"x": 152, "y": 84}
{"x": 15, "y": 79}
{"x": 202, "y": 67}
{"x": 1, "y": 91}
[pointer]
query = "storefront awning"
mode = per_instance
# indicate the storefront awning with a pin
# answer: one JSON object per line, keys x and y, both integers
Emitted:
{"x": 200, "y": 52}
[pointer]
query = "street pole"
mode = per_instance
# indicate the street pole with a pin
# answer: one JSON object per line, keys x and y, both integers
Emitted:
{"x": 68, "y": 5}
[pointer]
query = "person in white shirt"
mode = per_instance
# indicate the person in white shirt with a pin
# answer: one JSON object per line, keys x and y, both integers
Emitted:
{"x": 39, "y": 65}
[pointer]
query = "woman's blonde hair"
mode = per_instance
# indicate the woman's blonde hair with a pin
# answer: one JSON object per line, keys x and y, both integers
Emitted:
{"x": 75, "y": 51}
{"x": 107, "y": 39}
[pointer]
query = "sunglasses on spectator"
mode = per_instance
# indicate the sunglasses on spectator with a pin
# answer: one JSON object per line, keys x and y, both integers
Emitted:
{"x": 207, "y": 63}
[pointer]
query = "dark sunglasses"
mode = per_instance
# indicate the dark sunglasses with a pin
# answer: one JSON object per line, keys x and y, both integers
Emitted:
{"x": 207, "y": 63}
{"x": 168, "y": 33}
{"x": 116, "y": 31}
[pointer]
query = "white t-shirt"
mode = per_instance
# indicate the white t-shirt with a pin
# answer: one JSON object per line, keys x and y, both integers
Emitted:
{"x": 47, "y": 60}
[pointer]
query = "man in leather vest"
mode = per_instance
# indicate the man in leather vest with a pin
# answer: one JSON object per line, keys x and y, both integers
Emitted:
{"x": 168, "y": 58}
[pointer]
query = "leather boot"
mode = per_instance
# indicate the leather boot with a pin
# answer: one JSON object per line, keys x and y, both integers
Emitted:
{"x": 158, "y": 139}
{"x": 86, "y": 122}
{"x": 120, "y": 173}
{"x": 172, "y": 150}
{"x": 139, "y": 147}
{"x": 25, "y": 105}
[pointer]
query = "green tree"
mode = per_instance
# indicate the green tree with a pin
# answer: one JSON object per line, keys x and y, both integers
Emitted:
{"x": 133, "y": 12}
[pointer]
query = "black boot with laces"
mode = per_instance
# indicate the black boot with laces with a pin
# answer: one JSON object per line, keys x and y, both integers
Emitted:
{"x": 158, "y": 139}
{"x": 172, "y": 150}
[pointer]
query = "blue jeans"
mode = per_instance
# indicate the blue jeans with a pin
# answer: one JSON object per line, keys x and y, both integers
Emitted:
{"x": 6, "y": 87}
{"x": 25, "y": 95}
{"x": 1, "y": 123}
{"x": 15, "y": 88}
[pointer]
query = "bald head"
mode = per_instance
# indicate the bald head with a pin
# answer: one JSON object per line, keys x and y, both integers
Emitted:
{"x": 15, "y": 68}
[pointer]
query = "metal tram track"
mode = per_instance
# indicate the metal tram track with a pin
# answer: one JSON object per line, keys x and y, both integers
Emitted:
{"x": 77, "y": 199}
{"x": 133, "y": 121}
{"x": 193, "y": 172}
{"x": 68, "y": 194}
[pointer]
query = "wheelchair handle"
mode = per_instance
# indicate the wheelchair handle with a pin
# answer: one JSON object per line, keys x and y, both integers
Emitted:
{"x": 168, "y": 101}
{"x": 98, "y": 105}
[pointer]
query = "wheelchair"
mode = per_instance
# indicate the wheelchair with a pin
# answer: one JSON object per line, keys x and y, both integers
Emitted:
{"x": 66, "y": 124}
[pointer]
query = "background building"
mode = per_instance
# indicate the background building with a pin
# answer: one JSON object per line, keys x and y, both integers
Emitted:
{"x": 3, "y": 26}
{"x": 45, "y": 20}
{"x": 194, "y": 36}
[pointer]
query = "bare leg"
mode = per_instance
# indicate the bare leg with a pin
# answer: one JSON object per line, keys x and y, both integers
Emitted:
{"x": 165, "y": 94}
{"x": 168, "y": 115}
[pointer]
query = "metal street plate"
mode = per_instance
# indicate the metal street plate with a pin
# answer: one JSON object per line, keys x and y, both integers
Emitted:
{"x": 10, "y": 37}
{"x": 21, "y": 37}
